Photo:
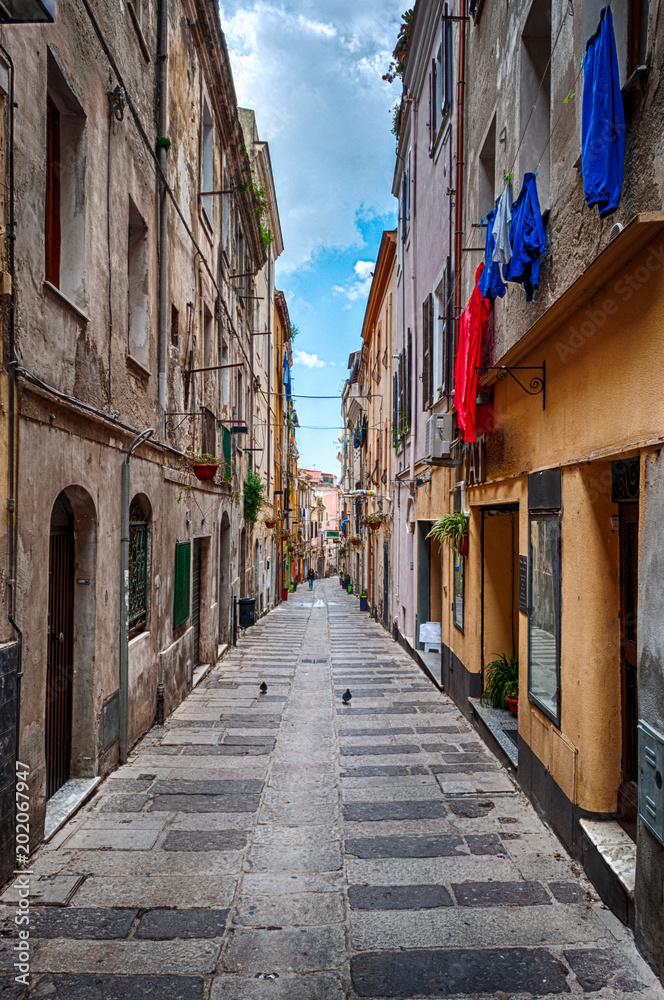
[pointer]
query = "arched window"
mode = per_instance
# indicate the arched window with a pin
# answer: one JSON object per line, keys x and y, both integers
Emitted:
{"x": 140, "y": 550}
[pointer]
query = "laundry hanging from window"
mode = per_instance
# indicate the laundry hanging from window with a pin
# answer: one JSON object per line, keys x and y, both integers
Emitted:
{"x": 527, "y": 238}
{"x": 603, "y": 120}
{"x": 502, "y": 249}
{"x": 472, "y": 334}
{"x": 491, "y": 284}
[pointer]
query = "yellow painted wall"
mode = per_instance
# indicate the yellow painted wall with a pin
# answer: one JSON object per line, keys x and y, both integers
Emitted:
{"x": 602, "y": 402}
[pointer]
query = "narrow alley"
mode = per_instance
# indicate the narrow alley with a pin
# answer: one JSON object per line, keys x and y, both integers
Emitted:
{"x": 281, "y": 845}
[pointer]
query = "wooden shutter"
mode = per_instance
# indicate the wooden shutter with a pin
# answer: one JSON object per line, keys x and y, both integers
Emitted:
{"x": 395, "y": 407}
{"x": 226, "y": 446}
{"x": 52, "y": 207}
{"x": 446, "y": 326}
{"x": 427, "y": 352}
{"x": 182, "y": 585}
{"x": 409, "y": 379}
{"x": 447, "y": 60}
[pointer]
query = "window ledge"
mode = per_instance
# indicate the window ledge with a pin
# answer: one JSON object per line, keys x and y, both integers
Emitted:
{"x": 64, "y": 298}
{"x": 138, "y": 367}
{"x": 139, "y": 637}
{"x": 139, "y": 31}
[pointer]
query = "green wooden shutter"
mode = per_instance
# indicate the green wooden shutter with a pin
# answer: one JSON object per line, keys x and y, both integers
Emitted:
{"x": 182, "y": 587}
{"x": 226, "y": 441}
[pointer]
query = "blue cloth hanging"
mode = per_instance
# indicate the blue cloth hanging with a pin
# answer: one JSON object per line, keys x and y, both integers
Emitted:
{"x": 287, "y": 377}
{"x": 491, "y": 284}
{"x": 527, "y": 238}
{"x": 603, "y": 120}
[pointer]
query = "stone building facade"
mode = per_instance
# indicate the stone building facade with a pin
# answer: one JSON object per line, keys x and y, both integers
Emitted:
{"x": 139, "y": 263}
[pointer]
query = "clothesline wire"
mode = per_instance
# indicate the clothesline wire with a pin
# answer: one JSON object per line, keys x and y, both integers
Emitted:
{"x": 523, "y": 134}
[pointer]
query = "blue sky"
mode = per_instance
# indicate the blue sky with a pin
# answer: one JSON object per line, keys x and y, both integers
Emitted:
{"x": 312, "y": 71}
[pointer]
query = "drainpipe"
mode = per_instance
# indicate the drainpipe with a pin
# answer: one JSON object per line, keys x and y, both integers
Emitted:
{"x": 162, "y": 144}
{"x": 458, "y": 201}
{"x": 11, "y": 416}
{"x": 124, "y": 594}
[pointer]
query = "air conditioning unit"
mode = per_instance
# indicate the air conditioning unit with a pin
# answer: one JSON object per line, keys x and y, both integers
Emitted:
{"x": 439, "y": 439}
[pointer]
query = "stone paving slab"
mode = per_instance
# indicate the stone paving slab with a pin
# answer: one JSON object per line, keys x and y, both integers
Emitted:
{"x": 287, "y": 847}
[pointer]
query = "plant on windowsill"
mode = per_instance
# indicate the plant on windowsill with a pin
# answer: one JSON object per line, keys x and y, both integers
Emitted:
{"x": 501, "y": 683}
{"x": 452, "y": 528}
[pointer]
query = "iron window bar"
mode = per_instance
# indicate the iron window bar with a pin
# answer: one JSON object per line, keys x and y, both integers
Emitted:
{"x": 536, "y": 386}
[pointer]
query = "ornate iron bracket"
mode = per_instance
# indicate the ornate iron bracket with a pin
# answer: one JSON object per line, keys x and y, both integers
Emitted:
{"x": 536, "y": 386}
{"x": 170, "y": 422}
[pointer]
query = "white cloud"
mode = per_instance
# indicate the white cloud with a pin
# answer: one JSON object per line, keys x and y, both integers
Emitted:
{"x": 310, "y": 360}
{"x": 360, "y": 286}
{"x": 312, "y": 70}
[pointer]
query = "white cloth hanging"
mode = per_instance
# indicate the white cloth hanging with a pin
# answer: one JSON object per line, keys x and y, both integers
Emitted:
{"x": 502, "y": 251}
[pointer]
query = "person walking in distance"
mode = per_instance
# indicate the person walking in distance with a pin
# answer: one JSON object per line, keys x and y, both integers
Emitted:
{"x": 310, "y": 578}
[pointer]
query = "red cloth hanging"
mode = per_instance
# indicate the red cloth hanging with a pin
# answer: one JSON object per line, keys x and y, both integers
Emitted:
{"x": 472, "y": 333}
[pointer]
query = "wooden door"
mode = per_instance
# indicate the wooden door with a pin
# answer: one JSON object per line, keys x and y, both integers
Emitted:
{"x": 196, "y": 600}
{"x": 629, "y": 576}
{"x": 60, "y": 651}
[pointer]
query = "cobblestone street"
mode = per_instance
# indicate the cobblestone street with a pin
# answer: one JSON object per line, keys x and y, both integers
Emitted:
{"x": 284, "y": 846}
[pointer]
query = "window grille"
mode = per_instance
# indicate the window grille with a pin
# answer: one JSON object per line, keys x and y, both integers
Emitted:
{"x": 139, "y": 560}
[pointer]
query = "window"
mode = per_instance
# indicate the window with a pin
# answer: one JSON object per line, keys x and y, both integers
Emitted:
{"x": 137, "y": 282}
{"x": 459, "y": 584}
{"x": 64, "y": 219}
{"x": 226, "y": 220}
{"x": 535, "y": 101}
{"x": 139, "y": 563}
{"x": 226, "y": 451}
{"x": 207, "y": 169}
{"x": 405, "y": 199}
{"x": 427, "y": 352}
{"x": 443, "y": 374}
{"x": 447, "y": 62}
{"x": 544, "y": 614}
{"x": 440, "y": 81}
{"x": 182, "y": 583}
{"x": 630, "y": 24}
{"x": 209, "y": 435}
{"x": 487, "y": 173}
{"x": 207, "y": 337}
{"x": 175, "y": 326}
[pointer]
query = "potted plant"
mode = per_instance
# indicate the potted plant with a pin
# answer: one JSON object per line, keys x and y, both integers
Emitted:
{"x": 452, "y": 528}
{"x": 203, "y": 466}
{"x": 356, "y": 540}
{"x": 374, "y": 521}
{"x": 254, "y": 497}
{"x": 270, "y": 523}
{"x": 501, "y": 683}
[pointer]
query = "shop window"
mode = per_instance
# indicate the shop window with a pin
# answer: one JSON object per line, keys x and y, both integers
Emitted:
{"x": 535, "y": 102}
{"x": 137, "y": 277}
{"x": 64, "y": 219}
{"x": 544, "y": 614}
{"x": 139, "y": 564}
{"x": 459, "y": 590}
{"x": 182, "y": 583}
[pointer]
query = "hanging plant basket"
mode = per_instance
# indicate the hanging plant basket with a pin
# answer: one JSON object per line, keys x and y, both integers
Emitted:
{"x": 452, "y": 528}
{"x": 463, "y": 546}
{"x": 205, "y": 472}
{"x": 356, "y": 541}
{"x": 270, "y": 524}
{"x": 374, "y": 523}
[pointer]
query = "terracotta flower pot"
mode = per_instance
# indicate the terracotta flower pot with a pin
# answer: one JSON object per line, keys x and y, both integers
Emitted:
{"x": 513, "y": 705}
{"x": 205, "y": 472}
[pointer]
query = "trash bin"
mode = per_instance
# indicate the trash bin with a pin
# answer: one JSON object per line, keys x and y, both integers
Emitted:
{"x": 247, "y": 611}
{"x": 284, "y": 594}
{"x": 364, "y": 603}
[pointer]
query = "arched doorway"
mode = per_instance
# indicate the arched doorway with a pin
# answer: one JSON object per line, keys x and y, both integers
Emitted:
{"x": 224, "y": 578}
{"x": 60, "y": 650}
